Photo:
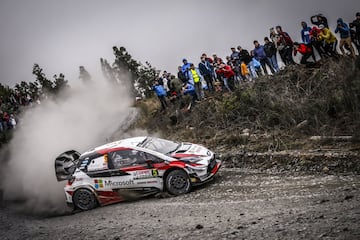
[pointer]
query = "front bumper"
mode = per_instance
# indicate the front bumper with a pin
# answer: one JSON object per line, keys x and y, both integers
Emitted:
{"x": 195, "y": 181}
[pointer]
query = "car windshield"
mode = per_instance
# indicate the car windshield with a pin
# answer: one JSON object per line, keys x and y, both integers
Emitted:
{"x": 161, "y": 145}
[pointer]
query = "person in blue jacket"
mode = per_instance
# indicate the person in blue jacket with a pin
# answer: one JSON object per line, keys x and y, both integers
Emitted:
{"x": 189, "y": 89}
{"x": 185, "y": 68}
{"x": 345, "y": 37}
{"x": 305, "y": 37}
{"x": 161, "y": 94}
{"x": 260, "y": 55}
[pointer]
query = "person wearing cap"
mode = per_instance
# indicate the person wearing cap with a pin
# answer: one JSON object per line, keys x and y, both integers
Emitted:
{"x": 329, "y": 39}
{"x": 356, "y": 24}
{"x": 345, "y": 37}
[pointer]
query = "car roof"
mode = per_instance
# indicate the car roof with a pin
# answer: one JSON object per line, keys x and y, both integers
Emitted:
{"x": 123, "y": 143}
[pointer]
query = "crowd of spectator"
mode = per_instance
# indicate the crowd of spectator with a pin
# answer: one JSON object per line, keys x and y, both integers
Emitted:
{"x": 212, "y": 74}
{"x": 11, "y": 104}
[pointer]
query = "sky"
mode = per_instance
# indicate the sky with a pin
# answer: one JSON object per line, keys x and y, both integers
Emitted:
{"x": 62, "y": 35}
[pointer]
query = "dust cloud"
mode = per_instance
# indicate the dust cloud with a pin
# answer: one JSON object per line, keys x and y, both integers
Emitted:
{"x": 88, "y": 116}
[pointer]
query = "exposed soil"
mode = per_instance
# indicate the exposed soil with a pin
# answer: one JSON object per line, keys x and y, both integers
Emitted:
{"x": 239, "y": 204}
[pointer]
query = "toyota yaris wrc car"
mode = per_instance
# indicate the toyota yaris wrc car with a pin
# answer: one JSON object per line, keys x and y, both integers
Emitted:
{"x": 133, "y": 167}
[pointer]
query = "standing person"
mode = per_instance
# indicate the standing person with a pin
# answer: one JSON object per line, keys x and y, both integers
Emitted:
{"x": 356, "y": 24}
{"x": 195, "y": 78}
{"x": 274, "y": 36}
{"x": 305, "y": 51}
{"x": 330, "y": 41}
{"x": 181, "y": 75}
{"x": 270, "y": 51}
{"x": 161, "y": 94}
{"x": 345, "y": 37}
{"x": 185, "y": 68}
{"x": 286, "y": 43}
{"x": 245, "y": 71}
{"x": 207, "y": 72}
{"x": 235, "y": 59}
{"x": 306, "y": 38}
{"x": 260, "y": 55}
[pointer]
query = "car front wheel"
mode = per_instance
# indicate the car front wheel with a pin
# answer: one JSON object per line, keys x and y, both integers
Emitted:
{"x": 178, "y": 182}
{"x": 84, "y": 199}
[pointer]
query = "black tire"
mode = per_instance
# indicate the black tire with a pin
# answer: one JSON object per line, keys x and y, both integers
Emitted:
{"x": 177, "y": 182}
{"x": 84, "y": 199}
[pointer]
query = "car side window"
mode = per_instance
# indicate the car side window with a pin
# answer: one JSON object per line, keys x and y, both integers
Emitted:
{"x": 153, "y": 158}
{"x": 126, "y": 158}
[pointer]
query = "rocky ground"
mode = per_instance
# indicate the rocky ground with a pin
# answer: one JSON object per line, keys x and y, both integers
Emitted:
{"x": 239, "y": 204}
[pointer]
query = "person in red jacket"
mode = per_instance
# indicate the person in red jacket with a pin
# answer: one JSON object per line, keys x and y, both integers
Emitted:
{"x": 305, "y": 51}
{"x": 227, "y": 75}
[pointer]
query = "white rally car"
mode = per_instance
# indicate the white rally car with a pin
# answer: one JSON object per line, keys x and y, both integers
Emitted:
{"x": 133, "y": 167}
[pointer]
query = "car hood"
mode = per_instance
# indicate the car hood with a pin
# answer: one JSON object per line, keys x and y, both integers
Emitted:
{"x": 189, "y": 150}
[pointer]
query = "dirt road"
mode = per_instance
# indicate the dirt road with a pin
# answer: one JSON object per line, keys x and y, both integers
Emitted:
{"x": 239, "y": 204}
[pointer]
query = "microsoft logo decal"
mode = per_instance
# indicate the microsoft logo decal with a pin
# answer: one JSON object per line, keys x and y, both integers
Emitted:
{"x": 98, "y": 183}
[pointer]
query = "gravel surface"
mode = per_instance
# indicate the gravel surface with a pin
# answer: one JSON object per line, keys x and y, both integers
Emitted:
{"x": 238, "y": 204}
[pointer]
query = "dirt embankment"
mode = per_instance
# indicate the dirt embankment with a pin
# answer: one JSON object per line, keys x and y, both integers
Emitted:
{"x": 301, "y": 119}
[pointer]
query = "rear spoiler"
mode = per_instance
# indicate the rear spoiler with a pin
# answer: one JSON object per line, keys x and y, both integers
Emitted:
{"x": 65, "y": 165}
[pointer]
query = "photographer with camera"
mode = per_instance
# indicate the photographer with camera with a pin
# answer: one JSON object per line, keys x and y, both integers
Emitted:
{"x": 345, "y": 37}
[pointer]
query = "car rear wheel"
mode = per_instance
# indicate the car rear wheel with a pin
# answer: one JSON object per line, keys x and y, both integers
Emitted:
{"x": 178, "y": 182}
{"x": 84, "y": 199}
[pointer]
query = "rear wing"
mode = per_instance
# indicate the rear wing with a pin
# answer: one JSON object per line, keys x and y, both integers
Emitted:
{"x": 65, "y": 165}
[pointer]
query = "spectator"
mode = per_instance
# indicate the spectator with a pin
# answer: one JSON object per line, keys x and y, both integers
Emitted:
{"x": 274, "y": 36}
{"x": 189, "y": 89}
{"x": 227, "y": 75}
{"x": 207, "y": 72}
{"x": 260, "y": 55}
{"x": 245, "y": 71}
{"x": 345, "y": 37}
{"x": 185, "y": 68}
{"x": 181, "y": 75}
{"x": 235, "y": 60}
{"x": 356, "y": 24}
{"x": 285, "y": 46}
{"x": 195, "y": 78}
{"x": 306, "y": 38}
{"x": 317, "y": 41}
{"x": 270, "y": 51}
{"x": 175, "y": 85}
{"x": 161, "y": 93}
{"x": 305, "y": 50}
{"x": 244, "y": 55}
{"x": 319, "y": 19}
{"x": 330, "y": 41}
{"x": 255, "y": 66}
{"x": 166, "y": 83}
